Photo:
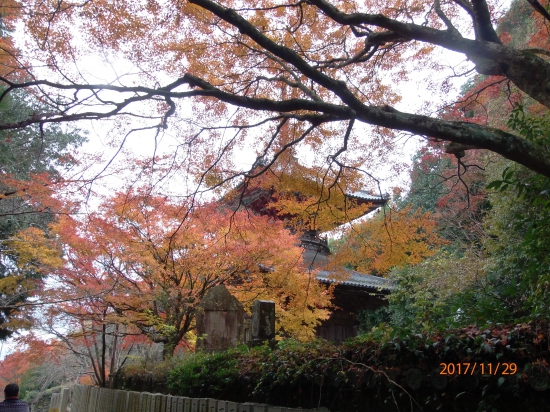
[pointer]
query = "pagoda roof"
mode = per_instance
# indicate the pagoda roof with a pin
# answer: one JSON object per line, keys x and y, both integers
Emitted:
{"x": 259, "y": 200}
{"x": 369, "y": 197}
{"x": 353, "y": 278}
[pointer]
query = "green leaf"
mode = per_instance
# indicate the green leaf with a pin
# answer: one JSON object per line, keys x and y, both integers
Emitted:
{"x": 495, "y": 184}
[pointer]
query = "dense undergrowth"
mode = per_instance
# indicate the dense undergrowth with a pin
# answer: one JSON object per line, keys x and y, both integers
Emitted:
{"x": 371, "y": 372}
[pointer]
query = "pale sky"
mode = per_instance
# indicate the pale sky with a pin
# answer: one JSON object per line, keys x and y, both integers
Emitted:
{"x": 142, "y": 144}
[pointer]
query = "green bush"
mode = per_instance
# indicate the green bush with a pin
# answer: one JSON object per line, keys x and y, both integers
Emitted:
{"x": 201, "y": 374}
{"x": 385, "y": 370}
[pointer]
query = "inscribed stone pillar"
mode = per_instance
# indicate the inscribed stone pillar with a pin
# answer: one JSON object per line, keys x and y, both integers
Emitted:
{"x": 219, "y": 319}
{"x": 247, "y": 328}
{"x": 263, "y": 320}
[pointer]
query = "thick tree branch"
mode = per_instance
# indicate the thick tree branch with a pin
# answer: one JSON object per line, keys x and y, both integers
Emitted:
{"x": 450, "y": 27}
{"x": 506, "y": 144}
{"x": 482, "y": 23}
{"x": 528, "y": 72}
{"x": 525, "y": 69}
{"x": 539, "y": 9}
{"x": 467, "y": 7}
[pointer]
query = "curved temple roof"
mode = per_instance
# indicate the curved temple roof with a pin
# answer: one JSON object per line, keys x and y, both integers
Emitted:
{"x": 364, "y": 195}
{"x": 356, "y": 279}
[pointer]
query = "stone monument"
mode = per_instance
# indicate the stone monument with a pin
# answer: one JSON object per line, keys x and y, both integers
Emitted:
{"x": 263, "y": 321}
{"x": 220, "y": 317}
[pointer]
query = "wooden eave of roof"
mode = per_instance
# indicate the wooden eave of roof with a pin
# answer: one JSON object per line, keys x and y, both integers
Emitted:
{"x": 355, "y": 279}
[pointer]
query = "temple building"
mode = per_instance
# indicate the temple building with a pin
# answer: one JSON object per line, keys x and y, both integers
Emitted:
{"x": 353, "y": 291}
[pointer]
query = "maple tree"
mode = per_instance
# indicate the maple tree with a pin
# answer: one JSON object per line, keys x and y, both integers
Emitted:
{"x": 83, "y": 328}
{"x": 32, "y": 164}
{"x": 300, "y": 73}
{"x": 456, "y": 196}
{"x": 495, "y": 269}
{"x": 17, "y": 363}
{"x": 37, "y": 365}
{"x": 304, "y": 198}
{"x": 146, "y": 261}
{"x": 397, "y": 239}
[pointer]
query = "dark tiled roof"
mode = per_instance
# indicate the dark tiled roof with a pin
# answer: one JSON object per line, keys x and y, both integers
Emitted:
{"x": 353, "y": 278}
{"x": 361, "y": 194}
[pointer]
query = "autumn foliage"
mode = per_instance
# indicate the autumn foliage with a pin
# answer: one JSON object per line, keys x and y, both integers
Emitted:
{"x": 307, "y": 90}
{"x": 395, "y": 239}
{"x": 147, "y": 261}
{"x": 303, "y": 197}
{"x": 282, "y": 76}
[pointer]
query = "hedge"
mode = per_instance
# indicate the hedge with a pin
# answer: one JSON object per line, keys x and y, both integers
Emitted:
{"x": 375, "y": 372}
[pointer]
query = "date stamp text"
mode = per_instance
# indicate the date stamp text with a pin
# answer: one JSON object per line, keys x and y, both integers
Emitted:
{"x": 467, "y": 368}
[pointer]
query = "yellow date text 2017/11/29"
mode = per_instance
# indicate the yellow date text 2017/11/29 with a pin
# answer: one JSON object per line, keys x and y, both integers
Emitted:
{"x": 467, "y": 368}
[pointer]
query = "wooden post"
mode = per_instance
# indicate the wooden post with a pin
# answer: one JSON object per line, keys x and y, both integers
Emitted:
{"x": 164, "y": 404}
{"x": 133, "y": 402}
{"x": 105, "y": 400}
{"x": 156, "y": 403}
{"x": 184, "y": 404}
{"x": 54, "y": 403}
{"x": 231, "y": 407}
{"x": 92, "y": 399}
{"x": 80, "y": 397}
{"x": 65, "y": 394}
{"x": 121, "y": 401}
{"x": 211, "y": 405}
{"x": 75, "y": 391}
{"x": 144, "y": 402}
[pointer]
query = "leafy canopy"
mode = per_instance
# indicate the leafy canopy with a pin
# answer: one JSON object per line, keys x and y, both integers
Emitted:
{"x": 284, "y": 75}
{"x": 147, "y": 261}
